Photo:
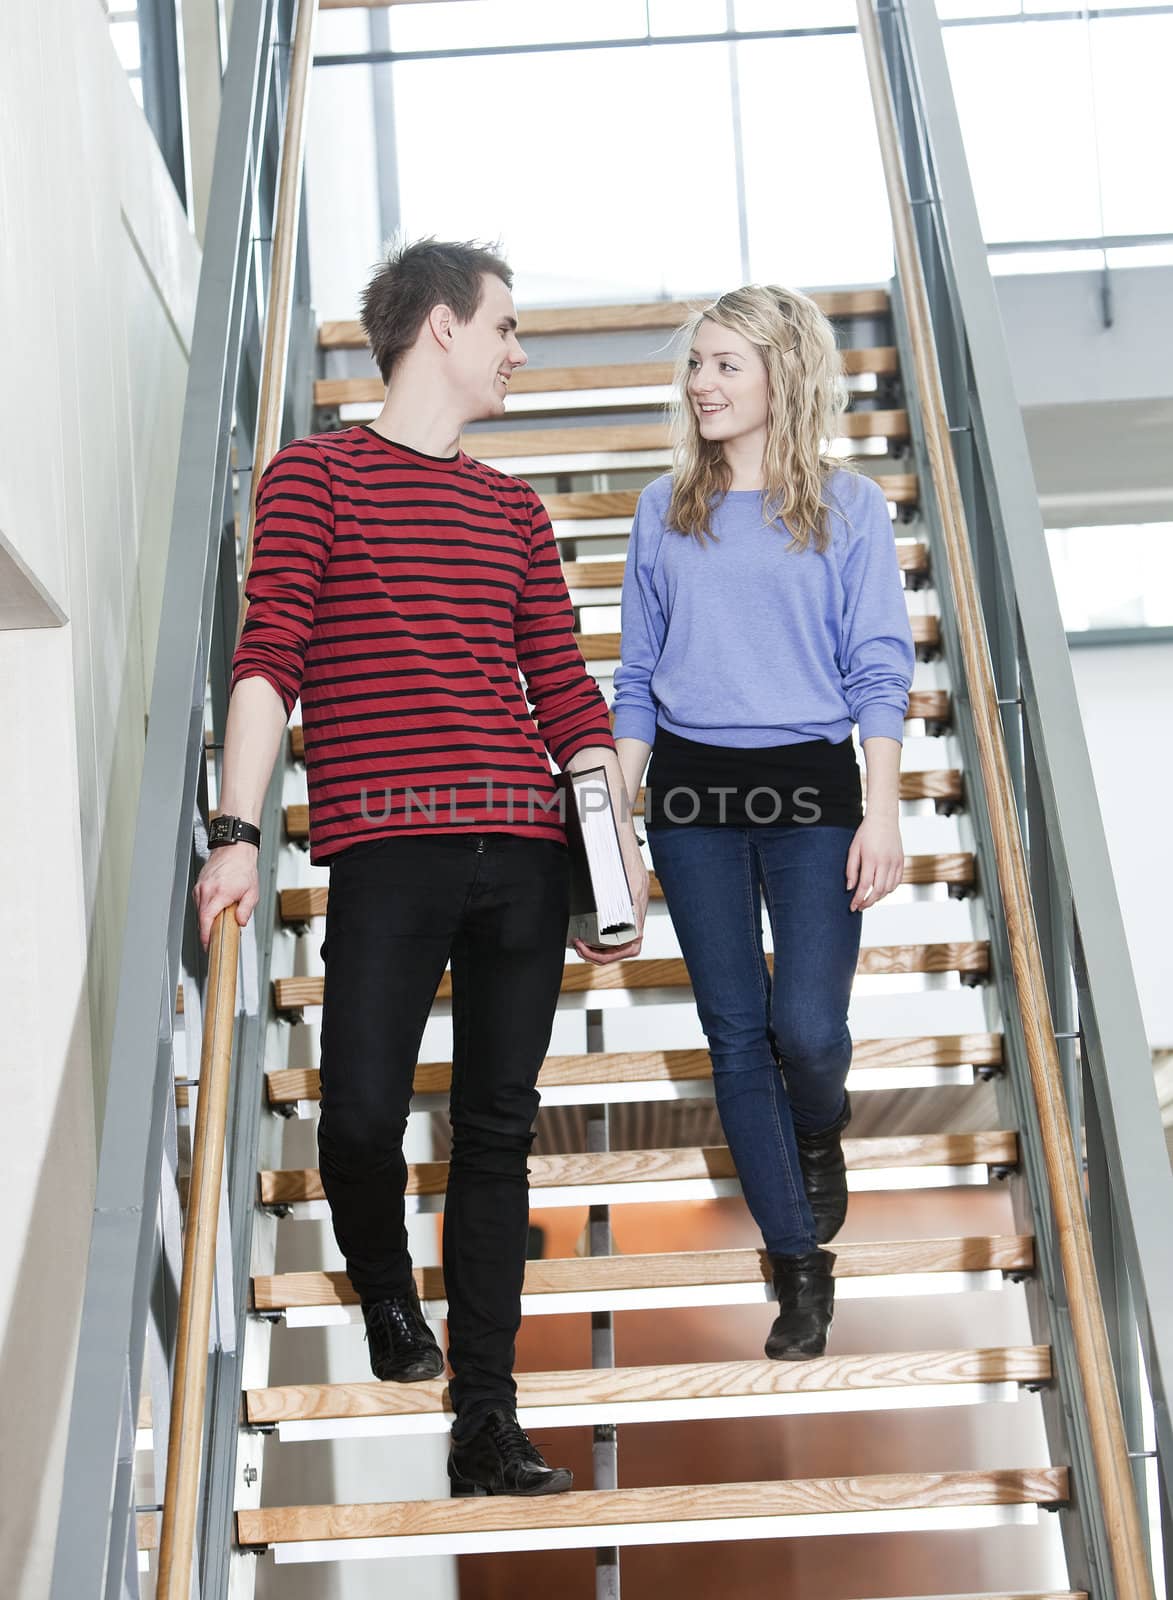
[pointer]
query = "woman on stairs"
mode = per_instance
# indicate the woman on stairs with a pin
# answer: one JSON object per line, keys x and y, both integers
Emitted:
{"x": 763, "y": 619}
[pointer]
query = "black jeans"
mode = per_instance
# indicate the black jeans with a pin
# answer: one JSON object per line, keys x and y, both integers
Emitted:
{"x": 496, "y": 905}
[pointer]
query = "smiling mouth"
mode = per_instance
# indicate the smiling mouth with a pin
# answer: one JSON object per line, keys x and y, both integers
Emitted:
{"x": 711, "y": 411}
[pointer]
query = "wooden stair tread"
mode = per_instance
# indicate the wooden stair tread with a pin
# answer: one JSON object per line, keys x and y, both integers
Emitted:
{"x": 980, "y": 1253}
{"x": 643, "y": 1066}
{"x": 926, "y": 631}
{"x": 933, "y": 705}
{"x": 936, "y": 784}
{"x": 684, "y": 1503}
{"x": 900, "y": 488}
{"x": 881, "y": 360}
{"x": 689, "y": 1381}
{"x": 608, "y": 574}
{"x": 678, "y": 1164}
{"x": 491, "y": 444}
{"x": 349, "y": 335}
{"x": 966, "y": 955}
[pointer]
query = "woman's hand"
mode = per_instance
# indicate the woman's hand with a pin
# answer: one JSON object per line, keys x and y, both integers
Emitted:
{"x": 637, "y": 878}
{"x": 875, "y": 862}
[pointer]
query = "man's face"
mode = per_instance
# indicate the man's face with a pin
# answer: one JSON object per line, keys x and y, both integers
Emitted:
{"x": 484, "y": 353}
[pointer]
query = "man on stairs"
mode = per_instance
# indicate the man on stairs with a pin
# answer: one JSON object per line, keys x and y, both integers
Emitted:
{"x": 399, "y": 588}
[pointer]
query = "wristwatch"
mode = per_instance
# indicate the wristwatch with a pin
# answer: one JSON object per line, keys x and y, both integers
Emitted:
{"x": 232, "y": 830}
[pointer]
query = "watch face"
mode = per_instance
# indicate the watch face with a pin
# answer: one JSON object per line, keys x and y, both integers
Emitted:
{"x": 220, "y": 831}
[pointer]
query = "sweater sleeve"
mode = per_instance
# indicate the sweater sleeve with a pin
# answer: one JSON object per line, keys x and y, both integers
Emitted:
{"x": 644, "y": 628}
{"x": 294, "y": 536}
{"x": 876, "y": 654}
{"x": 567, "y": 702}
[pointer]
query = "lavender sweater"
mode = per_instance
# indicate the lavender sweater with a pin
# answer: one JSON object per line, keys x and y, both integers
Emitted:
{"x": 744, "y": 642}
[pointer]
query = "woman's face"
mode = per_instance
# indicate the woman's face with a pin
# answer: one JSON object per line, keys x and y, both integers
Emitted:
{"x": 727, "y": 384}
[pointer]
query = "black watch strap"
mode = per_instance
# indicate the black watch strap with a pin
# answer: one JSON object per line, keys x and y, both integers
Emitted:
{"x": 232, "y": 830}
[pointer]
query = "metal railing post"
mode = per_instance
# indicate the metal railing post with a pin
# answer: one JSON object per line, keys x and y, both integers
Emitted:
{"x": 605, "y": 1446}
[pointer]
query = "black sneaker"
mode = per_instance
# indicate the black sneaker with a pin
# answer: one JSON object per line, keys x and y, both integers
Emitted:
{"x": 499, "y": 1458}
{"x": 402, "y": 1348}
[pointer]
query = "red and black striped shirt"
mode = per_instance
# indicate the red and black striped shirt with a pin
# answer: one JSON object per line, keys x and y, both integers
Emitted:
{"x": 400, "y": 595}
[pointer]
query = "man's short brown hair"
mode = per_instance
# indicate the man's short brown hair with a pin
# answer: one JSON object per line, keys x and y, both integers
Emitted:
{"x": 412, "y": 280}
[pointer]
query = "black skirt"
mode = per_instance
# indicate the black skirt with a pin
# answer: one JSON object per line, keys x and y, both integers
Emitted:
{"x": 815, "y": 784}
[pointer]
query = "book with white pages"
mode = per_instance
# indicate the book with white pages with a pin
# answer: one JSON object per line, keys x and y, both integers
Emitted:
{"x": 601, "y": 908}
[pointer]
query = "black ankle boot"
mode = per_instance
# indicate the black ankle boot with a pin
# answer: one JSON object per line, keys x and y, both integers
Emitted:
{"x": 806, "y": 1298}
{"x": 824, "y": 1175}
{"x": 401, "y": 1346}
{"x": 500, "y": 1458}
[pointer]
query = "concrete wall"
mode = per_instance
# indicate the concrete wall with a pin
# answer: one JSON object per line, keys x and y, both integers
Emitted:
{"x": 1097, "y": 401}
{"x": 1125, "y": 692}
{"x": 97, "y": 291}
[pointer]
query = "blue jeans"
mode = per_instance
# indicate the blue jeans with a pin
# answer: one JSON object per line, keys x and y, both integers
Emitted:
{"x": 781, "y": 1049}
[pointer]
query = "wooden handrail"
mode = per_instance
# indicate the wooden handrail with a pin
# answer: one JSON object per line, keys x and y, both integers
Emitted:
{"x": 189, "y": 1381}
{"x": 1130, "y": 1568}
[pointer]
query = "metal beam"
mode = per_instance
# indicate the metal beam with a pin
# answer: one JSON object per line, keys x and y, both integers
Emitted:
{"x": 729, "y": 36}
{"x": 357, "y": 58}
{"x": 385, "y": 144}
{"x": 164, "y": 88}
{"x": 1093, "y": 638}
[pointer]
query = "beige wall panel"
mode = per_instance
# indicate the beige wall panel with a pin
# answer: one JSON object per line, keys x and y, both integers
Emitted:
{"x": 97, "y": 293}
{"x": 46, "y": 1176}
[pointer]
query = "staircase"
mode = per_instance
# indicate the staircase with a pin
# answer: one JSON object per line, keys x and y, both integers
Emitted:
{"x": 954, "y": 1428}
{"x": 925, "y": 960}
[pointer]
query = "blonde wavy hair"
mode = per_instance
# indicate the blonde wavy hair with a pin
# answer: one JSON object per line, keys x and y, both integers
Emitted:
{"x": 807, "y": 396}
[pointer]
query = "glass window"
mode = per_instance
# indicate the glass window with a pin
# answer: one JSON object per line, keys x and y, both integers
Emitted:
{"x": 1149, "y": 255}
{"x": 342, "y": 204}
{"x": 948, "y": 10}
{"x": 611, "y": 174}
{"x": 687, "y": 16}
{"x": 1131, "y": 58}
{"x": 339, "y": 33}
{"x": 473, "y": 24}
{"x": 1028, "y": 262}
{"x": 1082, "y": 109}
{"x": 753, "y": 16}
{"x": 1100, "y": 5}
{"x": 1113, "y": 577}
{"x": 607, "y": 174}
{"x": 816, "y": 202}
{"x": 1031, "y": 150}
{"x": 125, "y": 37}
{"x": 980, "y": 8}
